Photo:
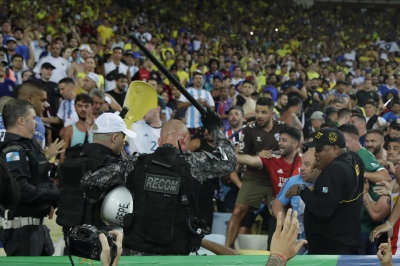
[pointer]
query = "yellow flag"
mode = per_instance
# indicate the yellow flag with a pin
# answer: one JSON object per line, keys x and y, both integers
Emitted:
{"x": 140, "y": 98}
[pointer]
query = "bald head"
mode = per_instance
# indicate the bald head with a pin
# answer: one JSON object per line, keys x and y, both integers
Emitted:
{"x": 3, "y": 101}
{"x": 309, "y": 156}
{"x": 174, "y": 131}
{"x": 308, "y": 171}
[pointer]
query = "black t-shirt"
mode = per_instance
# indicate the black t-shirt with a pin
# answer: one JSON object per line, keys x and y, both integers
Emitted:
{"x": 53, "y": 94}
{"x": 363, "y": 96}
{"x": 256, "y": 139}
{"x": 119, "y": 97}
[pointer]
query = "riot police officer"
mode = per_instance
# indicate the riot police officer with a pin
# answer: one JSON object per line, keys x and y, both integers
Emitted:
{"x": 109, "y": 131}
{"x": 165, "y": 188}
{"x": 22, "y": 231}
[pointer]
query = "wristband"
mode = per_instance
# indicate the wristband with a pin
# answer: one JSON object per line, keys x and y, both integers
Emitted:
{"x": 279, "y": 255}
{"x": 387, "y": 222}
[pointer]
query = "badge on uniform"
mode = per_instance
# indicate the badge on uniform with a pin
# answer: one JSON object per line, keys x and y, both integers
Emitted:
{"x": 325, "y": 190}
{"x": 12, "y": 156}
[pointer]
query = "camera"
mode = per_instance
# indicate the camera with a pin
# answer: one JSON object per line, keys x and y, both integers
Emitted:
{"x": 83, "y": 241}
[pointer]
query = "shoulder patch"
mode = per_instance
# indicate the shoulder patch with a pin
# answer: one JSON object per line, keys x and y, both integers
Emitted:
{"x": 12, "y": 156}
{"x": 11, "y": 148}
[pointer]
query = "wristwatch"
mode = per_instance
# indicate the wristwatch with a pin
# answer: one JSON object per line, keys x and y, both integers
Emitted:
{"x": 300, "y": 189}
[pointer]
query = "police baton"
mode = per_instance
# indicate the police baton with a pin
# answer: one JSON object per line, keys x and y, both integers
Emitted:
{"x": 171, "y": 78}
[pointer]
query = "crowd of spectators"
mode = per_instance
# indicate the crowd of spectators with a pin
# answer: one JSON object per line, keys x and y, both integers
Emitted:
{"x": 323, "y": 66}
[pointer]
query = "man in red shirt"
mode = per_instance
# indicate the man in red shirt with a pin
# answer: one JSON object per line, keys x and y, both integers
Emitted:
{"x": 280, "y": 167}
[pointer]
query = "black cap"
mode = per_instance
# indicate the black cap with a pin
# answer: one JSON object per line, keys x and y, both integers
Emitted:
{"x": 395, "y": 124}
{"x": 47, "y": 66}
{"x": 173, "y": 67}
{"x": 328, "y": 136}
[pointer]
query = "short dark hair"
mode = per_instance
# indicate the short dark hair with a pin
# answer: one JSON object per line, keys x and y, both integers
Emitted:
{"x": 16, "y": 56}
{"x": 349, "y": 129}
{"x": 360, "y": 117}
{"x": 18, "y": 29}
{"x": 294, "y": 133}
{"x": 280, "y": 94}
{"x": 293, "y": 101}
{"x": 343, "y": 112}
{"x": 353, "y": 97}
{"x": 237, "y": 67}
{"x": 29, "y": 85}
{"x": 120, "y": 76}
{"x": 13, "y": 110}
{"x": 395, "y": 140}
{"x": 376, "y": 131}
{"x": 66, "y": 81}
{"x": 83, "y": 97}
{"x": 268, "y": 92}
{"x": 236, "y": 107}
{"x": 197, "y": 74}
{"x": 213, "y": 60}
{"x": 117, "y": 48}
{"x": 152, "y": 78}
{"x": 292, "y": 70}
{"x": 264, "y": 101}
{"x": 248, "y": 82}
{"x": 371, "y": 102}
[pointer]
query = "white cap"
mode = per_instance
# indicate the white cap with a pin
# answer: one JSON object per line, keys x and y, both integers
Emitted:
{"x": 317, "y": 115}
{"x": 110, "y": 123}
{"x": 85, "y": 47}
{"x": 93, "y": 76}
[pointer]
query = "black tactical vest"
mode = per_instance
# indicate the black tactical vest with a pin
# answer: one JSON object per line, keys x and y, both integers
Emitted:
{"x": 165, "y": 202}
{"x": 74, "y": 209}
{"x": 39, "y": 170}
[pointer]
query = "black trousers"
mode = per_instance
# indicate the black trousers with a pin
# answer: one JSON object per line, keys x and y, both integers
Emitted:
{"x": 30, "y": 240}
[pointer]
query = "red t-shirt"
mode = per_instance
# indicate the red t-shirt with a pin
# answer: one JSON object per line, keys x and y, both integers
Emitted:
{"x": 280, "y": 171}
{"x": 144, "y": 74}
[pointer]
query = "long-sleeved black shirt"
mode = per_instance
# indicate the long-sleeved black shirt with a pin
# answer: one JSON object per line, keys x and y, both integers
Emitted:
{"x": 333, "y": 207}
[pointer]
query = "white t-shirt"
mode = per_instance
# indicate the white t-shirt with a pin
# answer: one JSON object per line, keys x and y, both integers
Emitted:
{"x": 193, "y": 116}
{"x": 381, "y": 121}
{"x": 60, "y": 64}
{"x": 146, "y": 140}
{"x": 236, "y": 81}
{"x": 67, "y": 113}
{"x": 110, "y": 66}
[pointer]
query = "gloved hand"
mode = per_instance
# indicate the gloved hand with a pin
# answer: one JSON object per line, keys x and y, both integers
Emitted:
{"x": 211, "y": 120}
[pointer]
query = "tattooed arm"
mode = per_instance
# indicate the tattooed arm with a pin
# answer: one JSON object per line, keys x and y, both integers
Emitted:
{"x": 283, "y": 244}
